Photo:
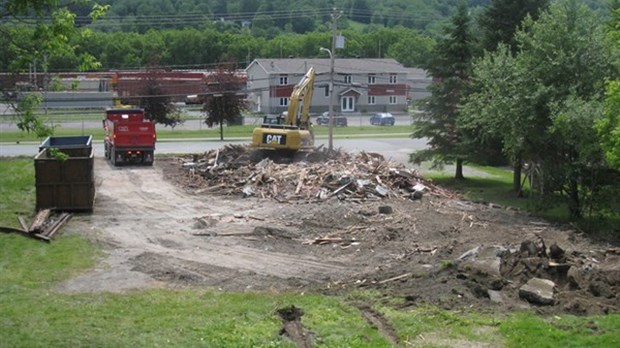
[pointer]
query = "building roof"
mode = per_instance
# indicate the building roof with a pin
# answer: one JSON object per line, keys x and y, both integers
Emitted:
{"x": 321, "y": 65}
{"x": 417, "y": 73}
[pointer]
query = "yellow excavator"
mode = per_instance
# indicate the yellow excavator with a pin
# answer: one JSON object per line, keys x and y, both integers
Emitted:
{"x": 292, "y": 131}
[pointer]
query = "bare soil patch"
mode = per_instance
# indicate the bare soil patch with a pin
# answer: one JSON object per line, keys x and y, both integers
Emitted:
{"x": 172, "y": 226}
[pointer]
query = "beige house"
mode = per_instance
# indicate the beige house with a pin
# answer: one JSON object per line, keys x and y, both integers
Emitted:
{"x": 360, "y": 85}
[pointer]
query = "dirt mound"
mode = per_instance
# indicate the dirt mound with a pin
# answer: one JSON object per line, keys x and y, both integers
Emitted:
{"x": 345, "y": 222}
{"x": 428, "y": 247}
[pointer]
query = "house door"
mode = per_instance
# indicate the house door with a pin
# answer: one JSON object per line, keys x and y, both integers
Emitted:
{"x": 347, "y": 104}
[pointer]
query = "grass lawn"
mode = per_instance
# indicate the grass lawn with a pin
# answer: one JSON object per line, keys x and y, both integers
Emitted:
{"x": 214, "y": 133}
{"x": 33, "y": 314}
{"x": 496, "y": 187}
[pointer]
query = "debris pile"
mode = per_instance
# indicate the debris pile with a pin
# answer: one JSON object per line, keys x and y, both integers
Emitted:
{"x": 579, "y": 281}
{"x": 43, "y": 227}
{"x": 316, "y": 175}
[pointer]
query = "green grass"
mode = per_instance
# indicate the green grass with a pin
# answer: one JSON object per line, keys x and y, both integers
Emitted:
{"x": 528, "y": 330}
{"x": 495, "y": 186}
{"x": 17, "y": 192}
{"x": 34, "y": 314}
{"x": 245, "y": 131}
{"x": 444, "y": 326}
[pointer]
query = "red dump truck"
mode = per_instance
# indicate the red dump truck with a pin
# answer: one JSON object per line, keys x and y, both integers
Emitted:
{"x": 129, "y": 137}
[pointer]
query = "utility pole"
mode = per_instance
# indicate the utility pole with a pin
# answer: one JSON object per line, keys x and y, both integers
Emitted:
{"x": 45, "y": 84}
{"x": 332, "y": 57}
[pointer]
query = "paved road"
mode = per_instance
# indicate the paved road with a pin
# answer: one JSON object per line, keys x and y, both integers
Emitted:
{"x": 397, "y": 149}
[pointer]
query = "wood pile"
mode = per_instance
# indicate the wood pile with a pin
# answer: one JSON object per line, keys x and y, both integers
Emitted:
{"x": 43, "y": 227}
{"x": 316, "y": 175}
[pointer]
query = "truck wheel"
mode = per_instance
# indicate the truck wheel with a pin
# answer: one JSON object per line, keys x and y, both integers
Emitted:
{"x": 113, "y": 157}
{"x": 147, "y": 158}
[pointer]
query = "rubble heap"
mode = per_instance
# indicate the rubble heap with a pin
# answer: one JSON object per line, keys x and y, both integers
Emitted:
{"x": 316, "y": 175}
{"x": 581, "y": 282}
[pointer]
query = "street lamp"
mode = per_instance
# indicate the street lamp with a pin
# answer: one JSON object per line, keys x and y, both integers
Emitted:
{"x": 331, "y": 98}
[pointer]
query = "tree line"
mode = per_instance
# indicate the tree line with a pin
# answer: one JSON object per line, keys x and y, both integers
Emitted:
{"x": 193, "y": 48}
{"x": 272, "y": 17}
{"x": 542, "y": 93}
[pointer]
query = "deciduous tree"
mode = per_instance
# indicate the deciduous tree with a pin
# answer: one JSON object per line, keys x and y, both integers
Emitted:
{"x": 609, "y": 126}
{"x": 49, "y": 37}
{"x": 498, "y": 23}
{"x": 224, "y": 100}
{"x": 158, "y": 106}
{"x": 544, "y": 102}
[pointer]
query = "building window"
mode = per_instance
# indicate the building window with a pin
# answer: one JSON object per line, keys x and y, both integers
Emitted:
{"x": 347, "y": 79}
{"x": 392, "y": 78}
{"x": 327, "y": 91}
{"x": 284, "y": 101}
{"x": 348, "y": 104}
{"x": 393, "y": 99}
{"x": 371, "y": 100}
{"x": 371, "y": 79}
{"x": 283, "y": 80}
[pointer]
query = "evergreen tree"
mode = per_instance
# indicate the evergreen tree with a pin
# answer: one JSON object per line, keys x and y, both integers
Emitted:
{"x": 220, "y": 8}
{"x": 450, "y": 70}
{"x": 501, "y": 19}
{"x": 360, "y": 11}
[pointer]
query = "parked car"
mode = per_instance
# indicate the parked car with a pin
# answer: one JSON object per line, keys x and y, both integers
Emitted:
{"x": 382, "y": 119}
{"x": 339, "y": 120}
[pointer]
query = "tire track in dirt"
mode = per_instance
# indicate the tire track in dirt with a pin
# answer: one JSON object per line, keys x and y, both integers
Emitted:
{"x": 375, "y": 319}
{"x": 138, "y": 212}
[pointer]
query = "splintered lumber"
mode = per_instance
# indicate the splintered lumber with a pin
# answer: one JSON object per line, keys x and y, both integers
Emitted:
{"x": 330, "y": 240}
{"x": 338, "y": 190}
{"x": 11, "y": 230}
{"x": 56, "y": 225}
{"x": 23, "y": 223}
{"x": 23, "y": 233}
{"x": 39, "y": 220}
{"x": 300, "y": 181}
{"x": 43, "y": 226}
{"x": 402, "y": 276}
{"x": 315, "y": 175}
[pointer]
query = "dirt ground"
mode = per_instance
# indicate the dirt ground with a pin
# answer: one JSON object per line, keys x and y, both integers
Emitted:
{"x": 158, "y": 231}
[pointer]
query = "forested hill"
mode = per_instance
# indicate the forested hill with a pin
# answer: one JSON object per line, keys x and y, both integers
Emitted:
{"x": 271, "y": 17}
{"x": 298, "y": 16}
{"x": 198, "y": 33}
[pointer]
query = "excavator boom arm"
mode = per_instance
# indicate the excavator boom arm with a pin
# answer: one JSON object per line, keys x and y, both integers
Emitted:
{"x": 302, "y": 91}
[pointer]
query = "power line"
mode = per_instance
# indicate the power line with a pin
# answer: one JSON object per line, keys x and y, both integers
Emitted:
{"x": 192, "y": 19}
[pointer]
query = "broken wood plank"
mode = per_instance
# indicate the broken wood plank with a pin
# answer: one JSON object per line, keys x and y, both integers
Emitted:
{"x": 300, "y": 181}
{"x": 402, "y": 276}
{"x": 256, "y": 218}
{"x": 23, "y": 223}
{"x": 338, "y": 190}
{"x": 39, "y": 220}
{"x": 51, "y": 230}
{"x": 23, "y": 233}
{"x": 11, "y": 230}
{"x": 329, "y": 240}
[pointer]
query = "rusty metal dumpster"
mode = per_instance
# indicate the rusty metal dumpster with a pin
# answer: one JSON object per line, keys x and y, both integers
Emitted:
{"x": 64, "y": 174}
